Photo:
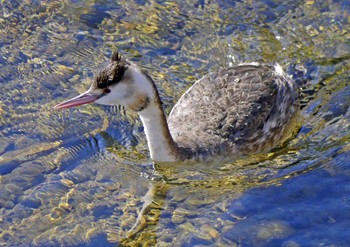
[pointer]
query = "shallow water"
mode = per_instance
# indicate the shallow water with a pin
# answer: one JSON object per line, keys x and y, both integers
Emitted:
{"x": 81, "y": 177}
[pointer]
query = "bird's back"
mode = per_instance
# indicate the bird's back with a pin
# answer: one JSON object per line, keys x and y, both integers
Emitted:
{"x": 242, "y": 109}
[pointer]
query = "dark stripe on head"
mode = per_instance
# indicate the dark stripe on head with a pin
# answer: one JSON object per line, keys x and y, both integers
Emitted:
{"x": 113, "y": 72}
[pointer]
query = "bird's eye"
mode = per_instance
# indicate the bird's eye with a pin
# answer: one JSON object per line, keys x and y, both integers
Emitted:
{"x": 106, "y": 90}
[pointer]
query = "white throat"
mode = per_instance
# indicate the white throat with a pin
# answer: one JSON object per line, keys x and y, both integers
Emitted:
{"x": 161, "y": 145}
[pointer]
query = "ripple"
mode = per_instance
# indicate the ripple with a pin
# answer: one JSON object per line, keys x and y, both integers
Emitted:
{"x": 81, "y": 177}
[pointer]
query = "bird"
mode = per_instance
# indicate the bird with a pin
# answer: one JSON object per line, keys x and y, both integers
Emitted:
{"x": 231, "y": 112}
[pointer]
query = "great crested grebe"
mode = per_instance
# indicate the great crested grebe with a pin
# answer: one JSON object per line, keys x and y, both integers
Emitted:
{"x": 235, "y": 111}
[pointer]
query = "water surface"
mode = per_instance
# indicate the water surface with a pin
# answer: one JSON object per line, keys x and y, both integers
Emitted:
{"x": 81, "y": 177}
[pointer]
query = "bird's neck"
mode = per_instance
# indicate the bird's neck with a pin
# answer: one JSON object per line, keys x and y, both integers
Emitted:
{"x": 160, "y": 142}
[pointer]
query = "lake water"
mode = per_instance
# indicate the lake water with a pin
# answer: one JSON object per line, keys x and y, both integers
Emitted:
{"x": 83, "y": 177}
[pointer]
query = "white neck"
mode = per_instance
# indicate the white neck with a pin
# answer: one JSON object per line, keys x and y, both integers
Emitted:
{"x": 160, "y": 142}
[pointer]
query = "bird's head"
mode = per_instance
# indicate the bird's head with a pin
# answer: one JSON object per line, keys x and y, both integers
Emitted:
{"x": 120, "y": 82}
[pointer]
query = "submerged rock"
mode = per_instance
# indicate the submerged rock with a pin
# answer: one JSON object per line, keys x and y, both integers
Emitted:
{"x": 257, "y": 234}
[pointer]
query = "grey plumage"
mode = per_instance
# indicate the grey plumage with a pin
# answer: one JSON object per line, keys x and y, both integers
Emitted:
{"x": 242, "y": 110}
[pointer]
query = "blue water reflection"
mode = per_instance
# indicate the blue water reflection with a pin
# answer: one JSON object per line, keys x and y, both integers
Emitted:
{"x": 83, "y": 177}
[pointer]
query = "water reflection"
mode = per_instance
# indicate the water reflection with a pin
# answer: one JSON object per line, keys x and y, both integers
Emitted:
{"x": 82, "y": 177}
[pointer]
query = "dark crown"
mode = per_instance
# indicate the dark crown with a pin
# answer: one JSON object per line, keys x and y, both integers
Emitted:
{"x": 113, "y": 72}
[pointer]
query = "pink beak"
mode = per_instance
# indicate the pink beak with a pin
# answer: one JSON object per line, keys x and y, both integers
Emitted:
{"x": 82, "y": 99}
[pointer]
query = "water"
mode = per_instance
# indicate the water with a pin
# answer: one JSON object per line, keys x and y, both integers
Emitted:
{"x": 81, "y": 177}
